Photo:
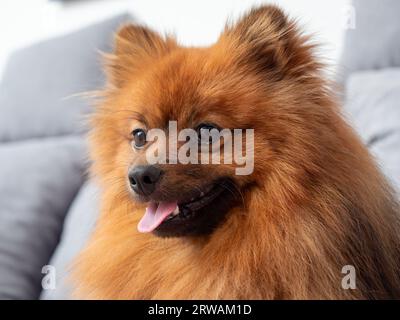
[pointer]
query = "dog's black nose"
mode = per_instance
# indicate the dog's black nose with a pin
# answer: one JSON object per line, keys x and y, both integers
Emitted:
{"x": 143, "y": 179}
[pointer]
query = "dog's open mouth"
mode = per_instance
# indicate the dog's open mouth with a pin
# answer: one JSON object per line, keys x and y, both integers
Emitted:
{"x": 201, "y": 215}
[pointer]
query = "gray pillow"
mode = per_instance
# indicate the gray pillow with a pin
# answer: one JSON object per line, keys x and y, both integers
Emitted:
{"x": 374, "y": 43}
{"x": 373, "y": 105}
{"x": 78, "y": 225}
{"x": 38, "y": 93}
{"x": 39, "y": 179}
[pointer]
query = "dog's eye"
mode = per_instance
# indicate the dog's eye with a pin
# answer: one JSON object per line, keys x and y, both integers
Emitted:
{"x": 205, "y": 129}
{"x": 139, "y": 138}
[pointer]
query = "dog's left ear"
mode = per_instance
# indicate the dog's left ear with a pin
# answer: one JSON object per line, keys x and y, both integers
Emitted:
{"x": 134, "y": 47}
{"x": 267, "y": 40}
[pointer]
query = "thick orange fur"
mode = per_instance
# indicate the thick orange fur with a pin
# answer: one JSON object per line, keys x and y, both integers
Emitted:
{"x": 315, "y": 202}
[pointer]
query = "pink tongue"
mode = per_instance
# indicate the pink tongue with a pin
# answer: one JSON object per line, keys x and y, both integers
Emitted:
{"x": 155, "y": 214}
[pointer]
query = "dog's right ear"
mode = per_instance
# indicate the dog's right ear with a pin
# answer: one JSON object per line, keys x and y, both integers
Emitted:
{"x": 135, "y": 46}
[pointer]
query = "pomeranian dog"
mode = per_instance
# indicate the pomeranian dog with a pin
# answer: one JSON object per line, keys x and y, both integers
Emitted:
{"x": 314, "y": 207}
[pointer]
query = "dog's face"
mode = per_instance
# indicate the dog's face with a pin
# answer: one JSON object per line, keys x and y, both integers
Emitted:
{"x": 241, "y": 82}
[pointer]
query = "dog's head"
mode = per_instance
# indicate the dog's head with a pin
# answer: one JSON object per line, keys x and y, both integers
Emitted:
{"x": 251, "y": 79}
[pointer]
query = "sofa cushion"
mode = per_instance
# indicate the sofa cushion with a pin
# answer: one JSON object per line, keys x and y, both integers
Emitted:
{"x": 78, "y": 225}
{"x": 373, "y": 44}
{"x": 39, "y": 92}
{"x": 39, "y": 179}
{"x": 373, "y": 105}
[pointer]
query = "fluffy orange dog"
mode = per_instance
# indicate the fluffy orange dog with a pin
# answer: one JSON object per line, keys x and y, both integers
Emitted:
{"x": 315, "y": 203}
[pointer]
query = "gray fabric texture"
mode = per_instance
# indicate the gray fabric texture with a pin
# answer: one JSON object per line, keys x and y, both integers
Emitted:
{"x": 373, "y": 106}
{"x": 374, "y": 43}
{"x": 78, "y": 225}
{"x": 40, "y": 93}
{"x": 38, "y": 181}
{"x": 42, "y": 155}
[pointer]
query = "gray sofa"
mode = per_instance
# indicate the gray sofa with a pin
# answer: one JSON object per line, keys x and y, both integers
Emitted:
{"x": 43, "y": 157}
{"x": 47, "y": 206}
